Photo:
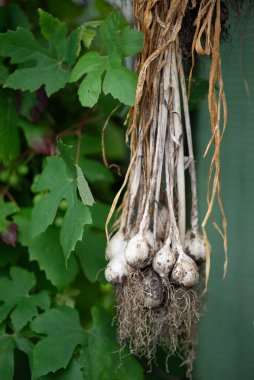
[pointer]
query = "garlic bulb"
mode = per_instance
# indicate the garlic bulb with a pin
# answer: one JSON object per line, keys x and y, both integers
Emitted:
{"x": 137, "y": 251}
{"x": 153, "y": 289}
{"x": 116, "y": 269}
{"x": 116, "y": 246}
{"x": 195, "y": 245}
{"x": 164, "y": 261}
{"x": 185, "y": 271}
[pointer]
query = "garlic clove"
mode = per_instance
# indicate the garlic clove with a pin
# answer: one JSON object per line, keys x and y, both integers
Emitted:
{"x": 185, "y": 271}
{"x": 164, "y": 261}
{"x": 117, "y": 269}
{"x": 153, "y": 289}
{"x": 195, "y": 246}
{"x": 137, "y": 251}
{"x": 116, "y": 246}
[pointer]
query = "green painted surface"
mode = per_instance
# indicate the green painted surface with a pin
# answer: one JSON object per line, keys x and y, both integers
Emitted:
{"x": 226, "y": 334}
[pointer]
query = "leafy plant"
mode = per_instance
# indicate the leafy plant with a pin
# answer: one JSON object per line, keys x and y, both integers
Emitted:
{"x": 55, "y": 191}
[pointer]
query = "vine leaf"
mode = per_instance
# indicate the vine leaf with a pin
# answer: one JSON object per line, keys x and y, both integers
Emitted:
{"x": 91, "y": 254}
{"x": 101, "y": 343}
{"x": 62, "y": 179}
{"x": 6, "y": 357}
{"x": 72, "y": 372}
{"x": 40, "y": 66}
{"x": 118, "y": 41}
{"x": 63, "y": 334}
{"x": 46, "y": 250}
{"x": 17, "y": 300}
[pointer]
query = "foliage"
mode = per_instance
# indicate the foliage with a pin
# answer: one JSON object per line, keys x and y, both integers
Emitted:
{"x": 55, "y": 307}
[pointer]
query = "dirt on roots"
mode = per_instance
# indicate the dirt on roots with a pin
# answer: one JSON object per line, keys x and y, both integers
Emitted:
{"x": 171, "y": 326}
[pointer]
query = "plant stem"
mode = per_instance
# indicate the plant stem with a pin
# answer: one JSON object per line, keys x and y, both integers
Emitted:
{"x": 180, "y": 158}
{"x": 192, "y": 169}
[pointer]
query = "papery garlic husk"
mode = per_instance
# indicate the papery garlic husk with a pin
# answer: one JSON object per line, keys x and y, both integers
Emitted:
{"x": 185, "y": 271}
{"x": 150, "y": 238}
{"x": 195, "y": 245}
{"x": 117, "y": 269}
{"x": 137, "y": 252}
{"x": 162, "y": 221}
{"x": 116, "y": 246}
{"x": 153, "y": 289}
{"x": 164, "y": 261}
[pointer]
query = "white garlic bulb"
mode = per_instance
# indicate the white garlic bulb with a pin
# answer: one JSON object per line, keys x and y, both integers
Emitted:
{"x": 117, "y": 269}
{"x": 164, "y": 261}
{"x": 137, "y": 251}
{"x": 195, "y": 245}
{"x": 185, "y": 271}
{"x": 116, "y": 245}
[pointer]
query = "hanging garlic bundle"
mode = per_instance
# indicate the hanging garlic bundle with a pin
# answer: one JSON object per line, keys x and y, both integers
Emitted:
{"x": 154, "y": 263}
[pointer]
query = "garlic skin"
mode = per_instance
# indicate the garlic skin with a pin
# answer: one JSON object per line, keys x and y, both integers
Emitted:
{"x": 116, "y": 246}
{"x": 117, "y": 269}
{"x": 185, "y": 271}
{"x": 150, "y": 238}
{"x": 137, "y": 252}
{"x": 153, "y": 289}
{"x": 162, "y": 221}
{"x": 195, "y": 246}
{"x": 164, "y": 261}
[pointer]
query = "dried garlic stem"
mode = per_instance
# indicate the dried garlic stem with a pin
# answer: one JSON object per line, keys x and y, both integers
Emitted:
{"x": 162, "y": 127}
{"x": 180, "y": 158}
{"x": 192, "y": 169}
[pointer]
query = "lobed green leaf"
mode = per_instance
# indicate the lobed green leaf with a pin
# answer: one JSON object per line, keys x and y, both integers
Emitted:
{"x": 63, "y": 334}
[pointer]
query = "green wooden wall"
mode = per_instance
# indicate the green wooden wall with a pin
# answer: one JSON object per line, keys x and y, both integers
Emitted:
{"x": 226, "y": 334}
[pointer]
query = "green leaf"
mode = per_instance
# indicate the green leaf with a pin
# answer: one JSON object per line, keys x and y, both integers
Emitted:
{"x": 43, "y": 66}
{"x": 9, "y": 138}
{"x": 73, "y": 48}
{"x": 60, "y": 185}
{"x": 6, "y": 357}
{"x": 23, "y": 220}
{"x": 102, "y": 344}
{"x": 63, "y": 334}
{"x": 91, "y": 254}
{"x": 121, "y": 84}
{"x": 46, "y": 250}
{"x": 88, "y": 63}
{"x": 16, "y": 298}
{"x": 6, "y": 209}
{"x": 119, "y": 39}
{"x": 55, "y": 32}
{"x": 88, "y": 32}
{"x": 90, "y": 89}
{"x": 48, "y": 72}
{"x": 131, "y": 41}
{"x": 72, "y": 372}
{"x": 84, "y": 191}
